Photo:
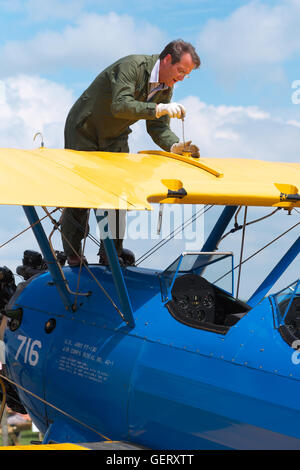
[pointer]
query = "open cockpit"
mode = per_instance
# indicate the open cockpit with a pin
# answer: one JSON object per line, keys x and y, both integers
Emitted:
{"x": 286, "y": 307}
{"x": 199, "y": 294}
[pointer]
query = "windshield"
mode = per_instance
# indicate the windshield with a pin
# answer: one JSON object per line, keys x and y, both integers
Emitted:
{"x": 287, "y": 304}
{"x": 214, "y": 267}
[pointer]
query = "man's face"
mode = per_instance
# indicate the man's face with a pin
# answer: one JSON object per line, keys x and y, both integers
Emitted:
{"x": 170, "y": 73}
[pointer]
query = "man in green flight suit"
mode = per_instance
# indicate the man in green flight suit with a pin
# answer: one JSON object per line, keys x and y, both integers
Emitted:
{"x": 133, "y": 88}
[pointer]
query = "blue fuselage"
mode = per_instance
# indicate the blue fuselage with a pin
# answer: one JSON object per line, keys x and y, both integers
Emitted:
{"x": 161, "y": 384}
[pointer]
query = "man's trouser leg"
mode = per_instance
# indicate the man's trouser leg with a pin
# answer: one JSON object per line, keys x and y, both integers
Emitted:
{"x": 116, "y": 218}
{"x": 73, "y": 227}
{"x": 117, "y": 223}
{"x": 73, "y": 220}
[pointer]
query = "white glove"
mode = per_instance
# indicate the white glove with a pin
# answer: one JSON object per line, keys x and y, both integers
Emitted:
{"x": 181, "y": 147}
{"x": 172, "y": 109}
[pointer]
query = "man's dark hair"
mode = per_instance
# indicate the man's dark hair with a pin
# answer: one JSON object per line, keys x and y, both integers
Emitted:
{"x": 179, "y": 47}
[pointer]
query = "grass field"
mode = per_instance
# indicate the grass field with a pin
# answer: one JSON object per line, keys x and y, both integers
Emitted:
{"x": 24, "y": 438}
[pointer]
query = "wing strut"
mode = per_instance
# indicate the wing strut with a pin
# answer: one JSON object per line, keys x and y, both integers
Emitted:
{"x": 275, "y": 274}
{"x": 213, "y": 239}
{"x": 43, "y": 242}
{"x": 117, "y": 274}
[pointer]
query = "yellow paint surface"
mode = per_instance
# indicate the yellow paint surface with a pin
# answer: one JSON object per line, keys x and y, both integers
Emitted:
{"x": 46, "y": 447}
{"x": 69, "y": 178}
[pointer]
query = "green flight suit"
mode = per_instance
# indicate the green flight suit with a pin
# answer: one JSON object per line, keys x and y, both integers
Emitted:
{"x": 101, "y": 119}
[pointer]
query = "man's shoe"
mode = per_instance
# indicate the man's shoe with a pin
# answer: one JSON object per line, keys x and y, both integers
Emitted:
{"x": 104, "y": 261}
{"x": 128, "y": 257}
{"x": 75, "y": 260}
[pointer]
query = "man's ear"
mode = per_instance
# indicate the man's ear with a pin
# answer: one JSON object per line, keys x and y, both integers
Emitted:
{"x": 167, "y": 60}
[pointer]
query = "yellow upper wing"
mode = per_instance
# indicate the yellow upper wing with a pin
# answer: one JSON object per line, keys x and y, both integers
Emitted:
{"x": 68, "y": 178}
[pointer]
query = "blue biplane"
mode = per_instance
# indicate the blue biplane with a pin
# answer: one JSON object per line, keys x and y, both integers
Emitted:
{"x": 144, "y": 358}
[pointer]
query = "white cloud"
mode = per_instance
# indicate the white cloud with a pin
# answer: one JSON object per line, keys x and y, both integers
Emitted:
{"x": 294, "y": 123}
{"x": 93, "y": 42}
{"x": 231, "y": 132}
{"x": 33, "y": 104}
{"x": 255, "y": 36}
{"x": 239, "y": 132}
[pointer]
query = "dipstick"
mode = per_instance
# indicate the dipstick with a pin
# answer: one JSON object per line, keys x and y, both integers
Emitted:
{"x": 183, "y": 138}
{"x": 184, "y": 152}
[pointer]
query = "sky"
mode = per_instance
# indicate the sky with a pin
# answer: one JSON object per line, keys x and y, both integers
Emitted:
{"x": 244, "y": 100}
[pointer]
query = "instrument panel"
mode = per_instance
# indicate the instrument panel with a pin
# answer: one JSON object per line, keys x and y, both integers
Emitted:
{"x": 193, "y": 300}
{"x": 199, "y": 304}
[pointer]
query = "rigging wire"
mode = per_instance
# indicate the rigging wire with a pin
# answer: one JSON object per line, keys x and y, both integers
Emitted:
{"x": 84, "y": 263}
{"x": 239, "y": 227}
{"x": 93, "y": 276}
{"x": 27, "y": 228}
{"x": 236, "y": 216}
{"x": 258, "y": 251}
{"x": 171, "y": 235}
{"x": 156, "y": 247}
{"x": 79, "y": 227}
{"x": 53, "y": 406}
{"x": 3, "y": 403}
{"x": 241, "y": 253}
{"x": 55, "y": 227}
{"x": 152, "y": 249}
{"x": 81, "y": 259}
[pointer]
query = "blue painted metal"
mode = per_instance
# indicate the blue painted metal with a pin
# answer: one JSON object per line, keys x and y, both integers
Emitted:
{"x": 161, "y": 383}
{"x": 43, "y": 242}
{"x": 219, "y": 228}
{"x": 113, "y": 260}
{"x": 157, "y": 382}
{"x": 275, "y": 274}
